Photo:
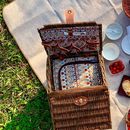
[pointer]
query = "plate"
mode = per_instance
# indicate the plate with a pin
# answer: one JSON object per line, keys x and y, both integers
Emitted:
{"x": 114, "y": 31}
{"x": 110, "y": 51}
{"x": 126, "y": 44}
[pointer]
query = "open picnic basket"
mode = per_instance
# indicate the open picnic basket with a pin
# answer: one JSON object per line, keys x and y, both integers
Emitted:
{"x": 77, "y": 87}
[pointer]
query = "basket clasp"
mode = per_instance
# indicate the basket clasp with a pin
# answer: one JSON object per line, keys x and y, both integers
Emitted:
{"x": 80, "y": 101}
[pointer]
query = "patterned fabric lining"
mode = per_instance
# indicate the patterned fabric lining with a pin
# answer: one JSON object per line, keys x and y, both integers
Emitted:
{"x": 75, "y": 74}
{"x": 66, "y": 40}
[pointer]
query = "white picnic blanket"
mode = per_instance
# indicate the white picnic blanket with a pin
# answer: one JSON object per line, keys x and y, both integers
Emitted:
{"x": 23, "y": 17}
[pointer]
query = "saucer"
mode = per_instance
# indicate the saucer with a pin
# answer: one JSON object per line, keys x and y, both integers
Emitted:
{"x": 126, "y": 45}
{"x": 114, "y": 31}
{"x": 110, "y": 51}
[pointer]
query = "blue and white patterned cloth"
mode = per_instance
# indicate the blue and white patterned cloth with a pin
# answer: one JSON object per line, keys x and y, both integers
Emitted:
{"x": 74, "y": 74}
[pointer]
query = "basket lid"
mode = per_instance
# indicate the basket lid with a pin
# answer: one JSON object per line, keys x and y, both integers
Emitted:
{"x": 71, "y": 38}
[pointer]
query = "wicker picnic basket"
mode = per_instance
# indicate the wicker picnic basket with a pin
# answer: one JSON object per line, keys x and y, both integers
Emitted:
{"x": 126, "y": 7}
{"x": 77, "y": 87}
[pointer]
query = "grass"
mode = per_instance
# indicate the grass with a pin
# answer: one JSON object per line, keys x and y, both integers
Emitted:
{"x": 23, "y": 100}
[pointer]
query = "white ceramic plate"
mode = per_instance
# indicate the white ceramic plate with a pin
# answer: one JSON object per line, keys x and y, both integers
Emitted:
{"x": 114, "y": 31}
{"x": 110, "y": 51}
{"x": 126, "y": 44}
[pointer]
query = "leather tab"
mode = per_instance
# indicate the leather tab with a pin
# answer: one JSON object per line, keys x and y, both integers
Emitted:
{"x": 69, "y": 14}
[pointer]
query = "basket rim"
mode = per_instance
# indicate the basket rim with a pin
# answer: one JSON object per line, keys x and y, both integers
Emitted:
{"x": 79, "y": 89}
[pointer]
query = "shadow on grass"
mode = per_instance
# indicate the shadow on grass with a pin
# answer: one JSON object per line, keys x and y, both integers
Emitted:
{"x": 35, "y": 116}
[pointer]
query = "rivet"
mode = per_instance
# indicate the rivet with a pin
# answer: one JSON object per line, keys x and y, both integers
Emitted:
{"x": 69, "y": 11}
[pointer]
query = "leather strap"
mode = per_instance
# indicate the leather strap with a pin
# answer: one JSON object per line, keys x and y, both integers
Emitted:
{"x": 69, "y": 14}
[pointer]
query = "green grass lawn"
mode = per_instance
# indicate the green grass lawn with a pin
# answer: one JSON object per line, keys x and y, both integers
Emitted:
{"x": 23, "y": 100}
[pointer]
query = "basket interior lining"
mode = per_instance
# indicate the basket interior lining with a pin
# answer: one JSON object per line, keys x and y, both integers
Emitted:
{"x": 76, "y": 72}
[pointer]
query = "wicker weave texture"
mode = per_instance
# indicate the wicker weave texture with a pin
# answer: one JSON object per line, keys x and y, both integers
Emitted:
{"x": 95, "y": 114}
